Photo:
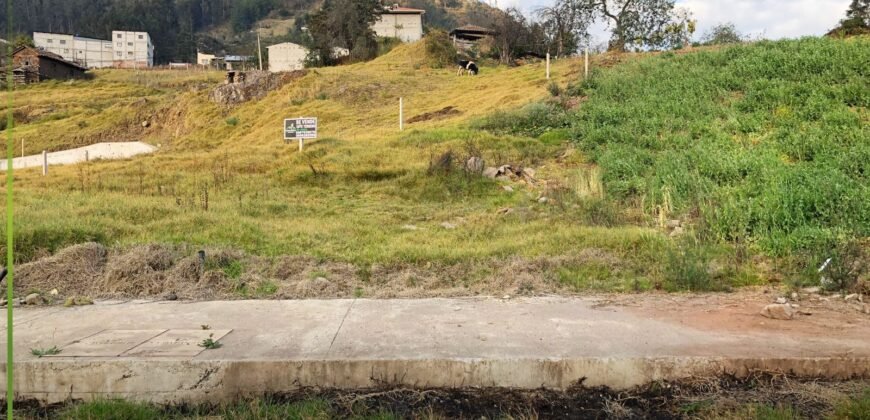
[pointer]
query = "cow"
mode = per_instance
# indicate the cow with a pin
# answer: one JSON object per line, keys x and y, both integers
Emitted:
{"x": 467, "y": 67}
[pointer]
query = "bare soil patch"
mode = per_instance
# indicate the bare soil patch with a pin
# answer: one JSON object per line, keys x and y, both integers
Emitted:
{"x": 445, "y": 112}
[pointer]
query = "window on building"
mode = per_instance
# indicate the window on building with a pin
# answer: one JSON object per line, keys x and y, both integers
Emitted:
{"x": 130, "y": 53}
{"x": 66, "y": 50}
{"x": 118, "y": 53}
{"x": 118, "y": 36}
{"x": 129, "y": 44}
{"x": 141, "y": 37}
{"x": 120, "y": 44}
{"x": 49, "y": 40}
{"x": 62, "y": 41}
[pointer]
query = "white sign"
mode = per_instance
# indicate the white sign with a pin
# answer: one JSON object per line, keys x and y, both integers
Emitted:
{"x": 300, "y": 128}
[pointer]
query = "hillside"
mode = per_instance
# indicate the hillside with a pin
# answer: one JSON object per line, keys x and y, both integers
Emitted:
{"x": 179, "y": 27}
{"x": 721, "y": 177}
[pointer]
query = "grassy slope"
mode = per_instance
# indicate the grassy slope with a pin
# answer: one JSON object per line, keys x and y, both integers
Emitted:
{"x": 371, "y": 180}
{"x": 263, "y": 196}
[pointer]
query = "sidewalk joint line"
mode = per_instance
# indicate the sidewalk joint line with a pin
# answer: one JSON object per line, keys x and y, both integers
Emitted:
{"x": 339, "y": 327}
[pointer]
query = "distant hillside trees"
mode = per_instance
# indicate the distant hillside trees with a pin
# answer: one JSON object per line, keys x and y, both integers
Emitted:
{"x": 343, "y": 24}
{"x": 565, "y": 24}
{"x": 857, "y": 21}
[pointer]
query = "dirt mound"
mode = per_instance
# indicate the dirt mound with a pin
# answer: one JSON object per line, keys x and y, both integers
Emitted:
{"x": 75, "y": 270}
{"x": 443, "y": 113}
{"x": 256, "y": 85}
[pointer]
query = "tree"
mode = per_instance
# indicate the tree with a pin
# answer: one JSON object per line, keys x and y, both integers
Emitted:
{"x": 514, "y": 36}
{"x": 635, "y": 23}
{"x": 723, "y": 33}
{"x": 343, "y": 24}
{"x": 21, "y": 40}
{"x": 565, "y": 24}
{"x": 857, "y": 21}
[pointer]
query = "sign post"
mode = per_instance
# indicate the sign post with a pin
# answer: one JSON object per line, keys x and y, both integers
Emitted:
{"x": 548, "y": 66}
{"x": 300, "y": 129}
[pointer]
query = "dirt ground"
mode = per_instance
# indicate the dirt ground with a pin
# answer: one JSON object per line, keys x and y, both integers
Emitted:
{"x": 760, "y": 396}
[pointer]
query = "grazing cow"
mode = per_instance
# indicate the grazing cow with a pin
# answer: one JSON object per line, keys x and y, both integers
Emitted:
{"x": 467, "y": 67}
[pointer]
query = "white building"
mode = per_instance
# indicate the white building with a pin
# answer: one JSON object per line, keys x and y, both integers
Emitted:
{"x": 132, "y": 49}
{"x": 400, "y": 22}
{"x": 204, "y": 59}
{"x": 286, "y": 56}
{"x": 87, "y": 52}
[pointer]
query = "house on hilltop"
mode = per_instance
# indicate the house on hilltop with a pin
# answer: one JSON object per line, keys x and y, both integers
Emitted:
{"x": 466, "y": 37}
{"x": 399, "y": 22}
{"x": 33, "y": 65}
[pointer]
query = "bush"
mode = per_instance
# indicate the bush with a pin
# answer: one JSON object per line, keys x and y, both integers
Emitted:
{"x": 232, "y": 121}
{"x": 532, "y": 120}
{"x": 440, "y": 52}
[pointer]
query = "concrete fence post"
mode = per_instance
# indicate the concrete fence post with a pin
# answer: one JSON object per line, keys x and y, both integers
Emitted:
{"x": 401, "y": 114}
{"x": 87, "y": 156}
{"x": 44, "y": 163}
{"x": 586, "y": 63}
{"x": 548, "y": 66}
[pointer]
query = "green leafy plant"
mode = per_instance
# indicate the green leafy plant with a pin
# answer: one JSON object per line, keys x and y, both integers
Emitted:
{"x": 210, "y": 343}
{"x": 45, "y": 352}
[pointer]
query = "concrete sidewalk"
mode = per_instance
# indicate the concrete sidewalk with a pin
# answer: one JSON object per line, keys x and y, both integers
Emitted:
{"x": 150, "y": 350}
{"x": 116, "y": 150}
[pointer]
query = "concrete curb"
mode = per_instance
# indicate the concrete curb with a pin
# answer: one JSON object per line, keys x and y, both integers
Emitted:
{"x": 195, "y": 381}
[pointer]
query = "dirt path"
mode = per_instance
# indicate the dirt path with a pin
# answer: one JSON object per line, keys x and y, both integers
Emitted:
{"x": 117, "y": 150}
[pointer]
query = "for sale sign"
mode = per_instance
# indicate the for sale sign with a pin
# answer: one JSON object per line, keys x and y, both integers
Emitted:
{"x": 300, "y": 128}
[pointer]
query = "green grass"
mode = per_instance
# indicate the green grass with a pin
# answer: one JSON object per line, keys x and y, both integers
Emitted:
{"x": 767, "y": 143}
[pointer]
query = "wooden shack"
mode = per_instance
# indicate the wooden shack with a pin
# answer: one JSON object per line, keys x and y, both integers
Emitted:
{"x": 33, "y": 65}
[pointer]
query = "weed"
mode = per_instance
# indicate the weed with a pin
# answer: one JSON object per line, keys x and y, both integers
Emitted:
{"x": 205, "y": 327}
{"x": 358, "y": 292}
{"x": 210, "y": 344}
{"x": 45, "y": 352}
{"x": 232, "y": 121}
{"x": 233, "y": 269}
{"x": 687, "y": 266}
{"x": 554, "y": 89}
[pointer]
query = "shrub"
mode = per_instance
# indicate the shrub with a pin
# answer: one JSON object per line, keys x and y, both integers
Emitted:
{"x": 532, "y": 120}
{"x": 440, "y": 52}
{"x": 554, "y": 89}
{"x": 232, "y": 121}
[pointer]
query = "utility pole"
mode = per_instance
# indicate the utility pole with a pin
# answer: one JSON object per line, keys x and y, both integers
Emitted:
{"x": 259, "y": 51}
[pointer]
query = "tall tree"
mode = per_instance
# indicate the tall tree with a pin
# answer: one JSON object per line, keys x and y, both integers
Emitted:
{"x": 857, "y": 21}
{"x": 343, "y": 24}
{"x": 634, "y": 23}
{"x": 565, "y": 23}
{"x": 723, "y": 33}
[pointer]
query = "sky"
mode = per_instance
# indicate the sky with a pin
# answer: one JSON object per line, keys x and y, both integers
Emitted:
{"x": 771, "y": 19}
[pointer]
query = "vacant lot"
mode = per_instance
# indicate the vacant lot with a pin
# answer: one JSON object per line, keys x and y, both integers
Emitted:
{"x": 699, "y": 171}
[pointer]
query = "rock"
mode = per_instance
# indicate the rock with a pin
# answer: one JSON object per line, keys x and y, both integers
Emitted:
{"x": 506, "y": 297}
{"x": 543, "y": 200}
{"x": 673, "y": 224}
{"x": 781, "y": 300}
{"x": 862, "y": 307}
{"x": 490, "y": 172}
{"x": 146, "y": 124}
{"x": 676, "y": 232}
{"x": 474, "y": 164}
{"x": 171, "y": 296}
{"x": 448, "y": 226}
{"x": 32, "y": 299}
{"x": 529, "y": 173}
{"x": 409, "y": 227}
{"x": 508, "y": 188}
{"x": 779, "y": 311}
{"x": 53, "y": 292}
{"x": 849, "y": 298}
{"x": 794, "y": 296}
{"x": 812, "y": 290}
